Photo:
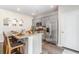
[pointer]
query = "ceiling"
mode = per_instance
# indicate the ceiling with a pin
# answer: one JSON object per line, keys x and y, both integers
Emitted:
{"x": 31, "y": 10}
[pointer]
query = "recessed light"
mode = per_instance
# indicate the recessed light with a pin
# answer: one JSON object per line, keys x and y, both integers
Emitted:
{"x": 18, "y": 9}
{"x": 51, "y": 6}
{"x": 33, "y": 13}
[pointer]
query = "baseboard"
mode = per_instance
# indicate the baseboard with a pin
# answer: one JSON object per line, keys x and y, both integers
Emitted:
{"x": 71, "y": 50}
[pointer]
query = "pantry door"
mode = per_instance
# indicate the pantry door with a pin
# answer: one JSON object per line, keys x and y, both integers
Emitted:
{"x": 69, "y": 27}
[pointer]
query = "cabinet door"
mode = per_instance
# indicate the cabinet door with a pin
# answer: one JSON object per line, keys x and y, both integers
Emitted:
{"x": 37, "y": 43}
{"x": 51, "y": 23}
{"x": 35, "y": 21}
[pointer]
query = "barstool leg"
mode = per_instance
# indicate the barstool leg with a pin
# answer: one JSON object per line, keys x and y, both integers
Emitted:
{"x": 23, "y": 49}
{"x": 9, "y": 51}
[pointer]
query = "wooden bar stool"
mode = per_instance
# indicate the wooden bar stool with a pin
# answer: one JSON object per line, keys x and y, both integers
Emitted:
{"x": 9, "y": 46}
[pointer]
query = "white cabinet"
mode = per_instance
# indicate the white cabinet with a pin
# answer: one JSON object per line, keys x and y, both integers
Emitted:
{"x": 35, "y": 44}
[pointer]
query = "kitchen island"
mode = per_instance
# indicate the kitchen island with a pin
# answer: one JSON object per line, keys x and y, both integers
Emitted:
{"x": 33, "y": 43}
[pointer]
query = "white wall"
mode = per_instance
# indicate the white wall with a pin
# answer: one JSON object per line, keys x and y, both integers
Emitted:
{"x": 69, "y": 26}
{"x": 5, "y": 13}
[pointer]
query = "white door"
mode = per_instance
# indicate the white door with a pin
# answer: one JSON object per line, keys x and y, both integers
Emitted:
{"x": 69, "y": 33}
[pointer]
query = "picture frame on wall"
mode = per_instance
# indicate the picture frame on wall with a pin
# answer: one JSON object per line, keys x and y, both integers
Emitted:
{"x": 12, "y": 21}
{"x": 5, "y": 21}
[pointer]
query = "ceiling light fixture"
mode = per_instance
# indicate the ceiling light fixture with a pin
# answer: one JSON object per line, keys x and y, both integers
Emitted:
{"x": 33, "y": 13}
{"x": 18, "y": 9}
